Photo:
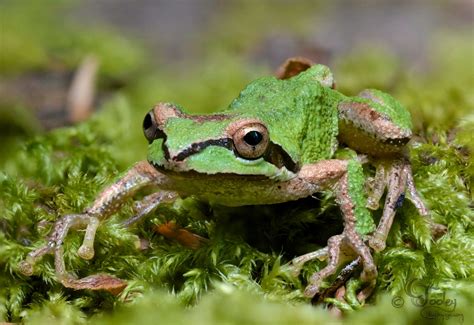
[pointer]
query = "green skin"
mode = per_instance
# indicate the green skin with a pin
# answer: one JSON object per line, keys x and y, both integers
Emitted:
{"x": 300, "y": 121}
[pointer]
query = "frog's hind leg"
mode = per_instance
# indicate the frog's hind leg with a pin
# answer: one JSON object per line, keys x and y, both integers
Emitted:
{"x": 298, "y": 262}
{"x": 349, "y": 180}
{"x": 334, "y": 254}
{"x": 357, "y": 221}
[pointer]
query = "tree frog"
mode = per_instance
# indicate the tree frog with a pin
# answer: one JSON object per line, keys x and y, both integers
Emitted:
{"x": 276, "y": 142}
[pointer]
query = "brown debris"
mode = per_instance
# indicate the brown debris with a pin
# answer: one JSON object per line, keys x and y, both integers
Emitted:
{"x": 339, "y": 295}
{"x": 97, "y": 282}
{"x": 437, "y": 230}
{"x": 186, "y": 238}
{"x": 293, "y": 66}
{"x": 81, "y": 94}
{"x": 57, "y": 96}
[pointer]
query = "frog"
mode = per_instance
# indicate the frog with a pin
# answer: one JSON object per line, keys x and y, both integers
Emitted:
{"x": 276, "y": 142}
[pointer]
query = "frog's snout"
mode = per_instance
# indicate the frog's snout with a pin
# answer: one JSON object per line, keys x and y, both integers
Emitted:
{"x": 151, "y": 129}
{"x": 155, "y": 119}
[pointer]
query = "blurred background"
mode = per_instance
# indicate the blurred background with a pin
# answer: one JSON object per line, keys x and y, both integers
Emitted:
{"x": 61, "y": 61}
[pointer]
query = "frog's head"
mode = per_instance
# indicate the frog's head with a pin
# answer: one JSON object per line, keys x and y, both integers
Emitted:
{"x": 226, "y": 143}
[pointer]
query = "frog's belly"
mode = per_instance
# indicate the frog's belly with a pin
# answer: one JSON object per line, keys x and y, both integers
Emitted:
{"x": 238, "y": 190}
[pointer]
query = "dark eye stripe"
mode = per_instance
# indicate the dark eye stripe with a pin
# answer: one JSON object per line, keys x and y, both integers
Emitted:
{"x": 197, "y": 147}
{"x": 275, "y": 155}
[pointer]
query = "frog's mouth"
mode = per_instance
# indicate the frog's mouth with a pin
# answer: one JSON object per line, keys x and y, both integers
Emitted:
{"x": 196, "y": 174}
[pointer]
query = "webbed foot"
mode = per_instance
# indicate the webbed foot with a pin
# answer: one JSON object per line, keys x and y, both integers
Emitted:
{"x": 340, "y": 249}
{"x": 55, "y": 240}
{"x": 397, "y": 177}
{"x": 298, "y": 262}
{"x": 86, "y": 251}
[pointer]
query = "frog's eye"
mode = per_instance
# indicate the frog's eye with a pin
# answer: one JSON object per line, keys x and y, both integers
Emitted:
{"x": 251, "y": 140}
{"x": 151, "y": 129}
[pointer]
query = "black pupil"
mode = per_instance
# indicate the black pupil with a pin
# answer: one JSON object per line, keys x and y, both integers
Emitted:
{"x": 147, "y": 122}
{"x": 253, "y": 138}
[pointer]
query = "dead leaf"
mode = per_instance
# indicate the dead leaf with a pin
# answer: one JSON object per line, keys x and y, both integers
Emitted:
{"x": 186, "y": 238}
{"x": 97, "y": 282}
{"x": 293, "y": 66}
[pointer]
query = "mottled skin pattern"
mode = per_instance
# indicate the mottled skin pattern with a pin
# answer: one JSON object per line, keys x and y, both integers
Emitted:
{"x": 275, "y": 143}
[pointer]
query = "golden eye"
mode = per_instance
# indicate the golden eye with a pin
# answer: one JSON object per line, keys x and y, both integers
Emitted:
{"x": 251, "y": 140}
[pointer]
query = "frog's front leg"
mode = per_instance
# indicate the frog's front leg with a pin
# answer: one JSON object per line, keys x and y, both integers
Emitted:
{"x": 347, "y": 179}
{"x": 109, "y": 200}
{"x": 374, "y": 123}
{"x": 397, "y": 176}
{"x": 393, "y": 175}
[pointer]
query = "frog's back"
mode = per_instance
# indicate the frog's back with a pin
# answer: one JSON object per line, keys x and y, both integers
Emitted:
{"x": 300, "y": 113}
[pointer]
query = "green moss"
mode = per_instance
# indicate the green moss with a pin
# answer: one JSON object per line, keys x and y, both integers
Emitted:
{"x": 440, "y": 98}
{"x": 35, "y": 36}
{"x": 366, "y": 67}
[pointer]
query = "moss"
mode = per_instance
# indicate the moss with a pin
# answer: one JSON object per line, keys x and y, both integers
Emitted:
{"x": 439, "y": 98}
{"x": 35, "y": 36}
{"x": 366, "y": 67}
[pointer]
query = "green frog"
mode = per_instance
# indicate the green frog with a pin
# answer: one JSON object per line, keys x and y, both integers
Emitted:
{"x": 276, "y": 142}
